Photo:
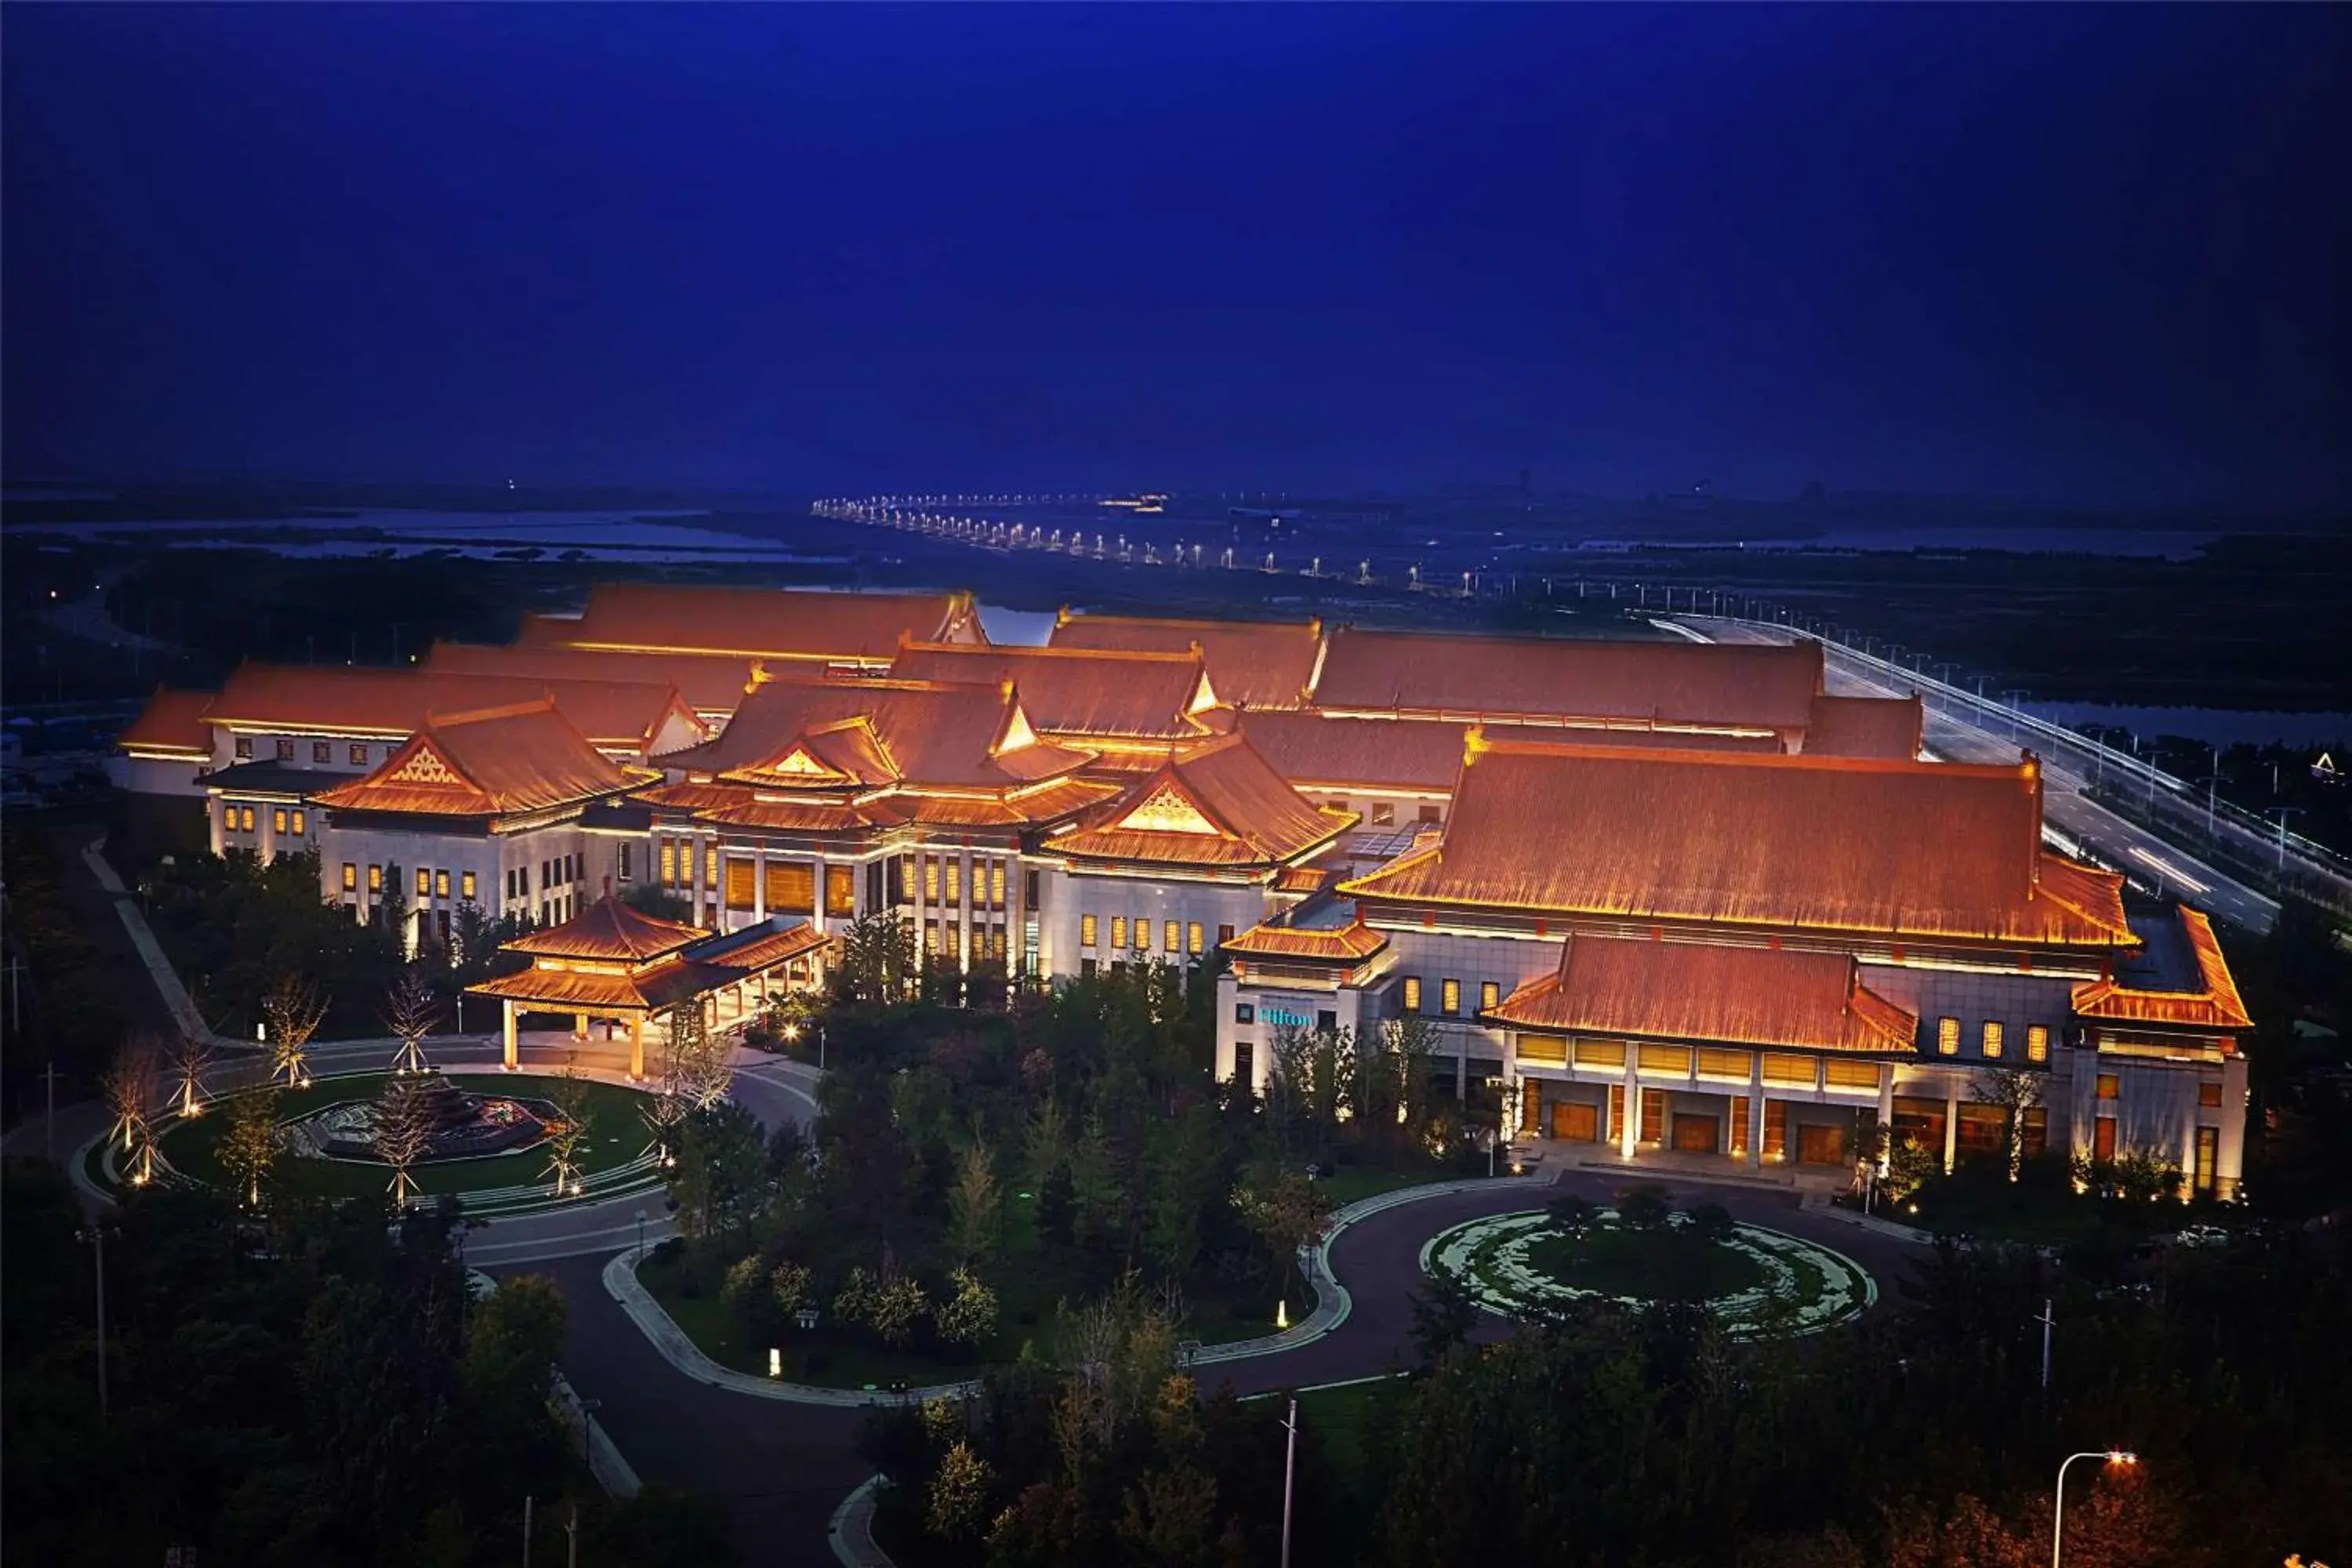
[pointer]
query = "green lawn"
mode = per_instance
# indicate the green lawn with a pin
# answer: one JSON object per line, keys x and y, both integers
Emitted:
{"x": 616, "y": 1136}
{"x": 1031, "y": 1280}
{"x": 1339, "y": 1417}
{"x": 1352, "y": 1183}
{"x": 1666, "y": 1263}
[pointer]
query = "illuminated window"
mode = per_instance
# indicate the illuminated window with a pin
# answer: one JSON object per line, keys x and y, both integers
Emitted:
{"x": 1412, "y": 993}
{"x": 358, "y": 756}
{"x": 245, "y": 748}
{"x": 1193, "y": 938}
{"x": 423, "y": 882}
{"x": 906, "y": 881}
{"x": 2037, "y": 1043}
{"x": 1383, "y": 814}
{"x": 1992, "y": 1039}
{"x": 465, "y": 887}
{"x": 1449, "y": 996}
{"x": 1489, "y": 993}
{"x": 2102, "y": 1138}
{"x": 996, "y": 885}
{"x": 376, "y": 878}
{"x": 931, "y": 880}
{"x": 321, "y": 751}
{"x": 350, "y": 878}
{"x": 440, "y": 884}
{"x": 301, "y": 824}
{"x": 1088, "y": 930}
{"x": 2110, "y": 1085}
{"x": 248, "y": 819}
{"x": 1118, "y": 931}
{"x": 285, "y": 751}
{"x": 2209, "y": 1095}
{"x": 1947, "y": 1036}
{"x": 955, "y": 882}
{"x": 277, "y": 821}
{"x": 711, "y": 866}
{"x": 1174, "y": 935}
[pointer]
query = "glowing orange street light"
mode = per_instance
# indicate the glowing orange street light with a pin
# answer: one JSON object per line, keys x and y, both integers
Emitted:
{"x": 2114, "y": 1458}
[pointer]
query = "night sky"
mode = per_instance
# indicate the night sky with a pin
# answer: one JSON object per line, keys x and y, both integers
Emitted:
{"x": 2095, "y": 256}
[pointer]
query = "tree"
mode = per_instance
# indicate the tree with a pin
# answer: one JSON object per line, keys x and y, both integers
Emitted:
{"x": 293, "y": 1009}
{"x": 721, "y": 1170}
{"x": 191, "y": 1053}
{"x": 1711, "y": 1222}
{"x": 975, "y": 1205}
{"x": 249, "y": 1144}
{"x": 697, "y": 1066}
{"x": 969, "y": 1316}
{"x": 1442, "y": 1315}
{"x": 1572, "y": 1216}
{"x": 789, "y": 1286}
{"x": 1045, "y": 1140}
{"x": 958, "y": 1495}
{"x": 1288, "y": 1212}
{"x": 404, "y": 1131}
{"x": 1644, "y": 1207}
{"x": 412, "y": 1011}
{"x": 877, "y": 958}
{"x": 567, "y": 1136}
{"x": 129, "y": 1083}
{"x": 2016, "y": 1091}
{"x": 1057, "y": 1206}
{"x": 896, "y": 1303}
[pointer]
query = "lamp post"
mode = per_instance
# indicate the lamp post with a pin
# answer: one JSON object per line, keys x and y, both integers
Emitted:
{"x": 96, "y": 1236}
{"x": 2058, "y": 1504}
{"x": 1289, "y": 1458}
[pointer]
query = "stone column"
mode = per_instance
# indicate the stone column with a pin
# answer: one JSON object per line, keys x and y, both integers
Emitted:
{"x": 1629, "y": 1133}
{"x": 1885, "y": 1114}
{"x": 817, "y": 911}
{"x": 964, "y": 916}
{"x": 511, "y": 1060}
{"x": 694, "y": 847}
{"x": 1951, "y": 1121}
{"x": 1756, "y": 1122}
{"x": 579, "y": 1028}
{"x": 758, "y": 883}
{"x": 636, "y": 1047}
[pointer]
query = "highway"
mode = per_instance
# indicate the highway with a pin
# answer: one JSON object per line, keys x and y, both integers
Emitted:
{"x": 2070, "y": 819}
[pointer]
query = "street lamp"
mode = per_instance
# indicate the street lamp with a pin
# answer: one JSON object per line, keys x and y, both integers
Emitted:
{"x": 2113, "y": 1456}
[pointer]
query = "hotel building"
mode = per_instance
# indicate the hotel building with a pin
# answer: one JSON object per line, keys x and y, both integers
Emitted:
{"x": 1667, "y": 898}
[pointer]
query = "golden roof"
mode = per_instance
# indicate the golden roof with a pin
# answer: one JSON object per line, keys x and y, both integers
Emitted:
{"x": 1315, "y": 750}
{"x": 172, "y": 722}
{"x": 1082, "y": 692}
{"x": 1441, "y": 674}
{"x": 759, "y": 623}
{"x": 1758, "y": 997}
{"x": 1219, "y": 803}
{"x": 712, "y": 683}
{"x": 495, "y": 762}
{"x": 1338, "y": 944}
{"x": 1867, "y": 727}
{"x": 342, "y": 700}
{"x": 1253, "y": 664}
{"x": 2214, "y": 1005}
{"x": 609, "y": 929}
{"x": 1891, "y": 848}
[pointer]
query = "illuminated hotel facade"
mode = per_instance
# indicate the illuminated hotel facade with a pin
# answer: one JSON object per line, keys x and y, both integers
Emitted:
{"x": 1659, "y": 896}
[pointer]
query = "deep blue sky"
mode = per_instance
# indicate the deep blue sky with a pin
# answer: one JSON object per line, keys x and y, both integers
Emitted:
{"x": 2091, "y": 254}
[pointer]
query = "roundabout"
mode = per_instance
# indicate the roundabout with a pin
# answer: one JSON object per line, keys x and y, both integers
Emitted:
{"x": 490, "y": 1145}
{"x": 1754, "y": 1280}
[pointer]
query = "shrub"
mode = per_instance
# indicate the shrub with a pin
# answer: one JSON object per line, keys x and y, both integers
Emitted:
{"x": 1711, "y": 1222}
{"x": 1644, "y": 1207}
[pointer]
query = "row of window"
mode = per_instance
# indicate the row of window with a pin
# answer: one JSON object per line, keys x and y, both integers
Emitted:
{"x": 942, "y": 878}
{"x": 282, "y": 820}
{"x": 1176, "y": 937}
{"x": 430, "y": 883}
{"x": 565, "y": 870}
{"x": 321, "y": 751}
{"x": 1992, "y": 1039}
{"x": 1449, "y": 994}
{"x": 1382, "y": 813}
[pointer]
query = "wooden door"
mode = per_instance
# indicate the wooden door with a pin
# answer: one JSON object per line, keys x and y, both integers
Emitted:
{"x": 1577, "y": 1120}
{"x": 1821, "y": 1145}
{"x": 1697, "y": 1134}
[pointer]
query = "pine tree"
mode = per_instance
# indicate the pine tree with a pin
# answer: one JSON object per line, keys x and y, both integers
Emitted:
{"x": 1058, "y": 1204}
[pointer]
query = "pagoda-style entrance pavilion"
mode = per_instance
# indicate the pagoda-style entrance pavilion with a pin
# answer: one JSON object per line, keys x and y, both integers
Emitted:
{"x": 624, "y": 967}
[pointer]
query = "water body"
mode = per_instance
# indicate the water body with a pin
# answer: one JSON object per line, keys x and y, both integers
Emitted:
{"x": 2215, "y": 726}
{"x": 617, "y": 535}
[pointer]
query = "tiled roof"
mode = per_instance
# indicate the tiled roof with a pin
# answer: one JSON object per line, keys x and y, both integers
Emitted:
{"x": 1891, "y": 849}
{"x": 1081, "y": 692}
{"x": 712, "y": 683}
{"x": 609, "y": 929}
{"x": 493, "y": 762}
{"x": 1311, "y": 748}
{"x": 342, "y": 700}
{"x": 1253, "y": 664}
{"x": 172, "y": 722}
{"x": 762, "y": 623}
{"x": 1217, "y": 804}
{"x": 2212, "y": 1004}
{"x": 1336, "y": 944}
{"x": 797, "y": 730}
{"x": 1675, "y": 683}
{"x": 1754, "y": 996}
{"x": 1866, "y": 727}
{"x": 756, "y": 948}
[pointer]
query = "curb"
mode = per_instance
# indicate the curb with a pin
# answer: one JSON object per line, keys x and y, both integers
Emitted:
{"x": 851, "y": 1529}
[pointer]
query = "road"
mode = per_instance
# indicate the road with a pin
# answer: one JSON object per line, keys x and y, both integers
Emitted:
{"x": 2153, "y": 862}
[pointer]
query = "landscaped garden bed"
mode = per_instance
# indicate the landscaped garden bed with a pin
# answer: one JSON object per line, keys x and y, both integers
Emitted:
{"x": 1754, "y": 1280}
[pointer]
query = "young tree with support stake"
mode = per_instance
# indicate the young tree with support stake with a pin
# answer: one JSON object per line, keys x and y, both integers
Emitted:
{"x": 404, "y": 1132}
{"x": 292, "y": 1011}
{"x": 130, "y": 1084}
{"x": 191, "y": 1053}
{"x": 412, "y": 1011}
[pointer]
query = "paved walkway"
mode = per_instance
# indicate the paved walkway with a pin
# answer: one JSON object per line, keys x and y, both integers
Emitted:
{"x": 176, "y": 996}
